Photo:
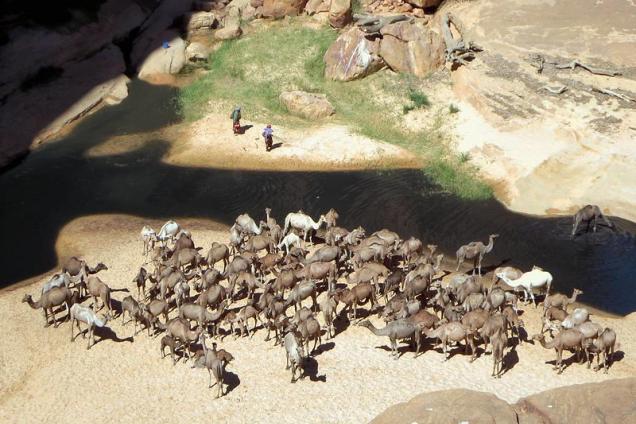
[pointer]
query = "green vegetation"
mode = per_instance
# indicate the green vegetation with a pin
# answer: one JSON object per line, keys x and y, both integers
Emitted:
{"x": 453, "y": 109}
{"x": 418, "y": 100}
{"x": 252, "y": 71}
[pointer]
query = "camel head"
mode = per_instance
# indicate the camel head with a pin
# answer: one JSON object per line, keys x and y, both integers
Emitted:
{"x": 537, "y": 268}
{"x": 432, "y": 248}
{"x": 577, "y": 291}
{"x": 366, "y": 323}
{"x": 494, "y": 236}
{"x": 101, "y": 267}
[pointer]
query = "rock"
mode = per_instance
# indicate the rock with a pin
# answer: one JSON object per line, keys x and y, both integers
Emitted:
{"x": 228, "y": 33}
{"x": 607, "y": 402}
{"x": 249, "y": 13}
{"x": 196, "y": 52}
{"x": 31, "y": 48}
{"x": 449, "y": 406}
{"x": 282, "y": 8}
{"x": 153, "y": 31}
{"x": 203, "y": 6}
{"x": 30, "y": 116}
{"x": 164, "y": 60}
{"x": 317, "y": 6}
{"x": 199, "y": 22}
{"x": 118, "y": 91}
{"x": 405, "y": 8}
{"x": 307, "y": 105}
{"x": 418, "y": 13}
{"x": 412, "y": 48}
{"x": 352, "y": 56}
{"x": 423, "y": 4}
{"x": 340, "y": 13}
{"x": 256, "y": 3}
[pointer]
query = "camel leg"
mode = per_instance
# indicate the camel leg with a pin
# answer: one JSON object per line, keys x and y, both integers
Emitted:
{"x": 54, "y": 319}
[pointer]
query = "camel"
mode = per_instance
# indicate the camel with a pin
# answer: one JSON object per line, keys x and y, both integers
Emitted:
{"x": 603, "y": 344}
{"x": 494, "y": 323}
{"x": 130, "y": 305}
{"x": 570, "y": 339}
{"x": 455, "y": 332}
{"x": 587, "y": 214}
{"x": 300, "y": 292}
{"x": 249, "y": 281}
{"x": 396, "y": 330}
{"x": 290, "y": 239}
{"x": 209, "y": 278}
{"x": 236, "y": 239}
{"x": 57, "y": 280}
{"x": 409, "y": 249}
{"x": 390, "y": 238}
{"x": 425, "y": 271}
{"x": 475, "y": 320}
{"x": 149, "y": 238}
{"x": 184, "y": 241}
{"x": 576, "y": 317}
{"x": 218, "y": 252}
{"x": 184, "y": 257}
{"x": 269, "y": 220}
{"x": 310, "y": 329}
{"x": 49, "y": 301}
{"x": 80, "y": 313}
{"x": 552, "y": 314}
{"x": 181, "y": 293}
{"x": 324, "y": 254}
{"x": 169, "y": 341}
{"x": 509, "y": 271}
{"x": 328, "y": 307}
{"x": 499, "y": 341}
{"x": 364, "y": 275}
{"x": 473, "y": 301}
{"x": 242, "y": 317}
{"x": 560, "y": 300}
{"x": 213, "y": 296}
{"x": 495, "y": 299}
{"x": 295, "y": 355}
{"x": 537, "y": 278}
{"x": 335, "y": 235}
{"x": 357, "y": 295}
{"x": 259, "y": 242}
{"x": 513, "y": 320}
{"x": 157, "y": 307}
{"x": 331, "y": 217}
{"x": 215, "y": 362}
{"x": 320, "y": 271}
{"x": 476, "y": 251}
{"x": 179, "y": 329}
{"x": 140, "y": 280}
{"x": 304, "y": 223}
{"x": 285, "y": 280}
{"x": 248, "y": 226}
{"x": 168, "y": 231}
{"x": 97, "y": 288}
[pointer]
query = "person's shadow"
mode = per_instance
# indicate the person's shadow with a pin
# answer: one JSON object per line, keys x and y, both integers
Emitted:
{"x": 243, "y": 128}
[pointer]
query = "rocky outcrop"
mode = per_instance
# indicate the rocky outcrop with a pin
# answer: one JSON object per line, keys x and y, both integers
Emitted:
{"x": 449, "y": 406}
{"x": 352, "y": 56}
{"x": 307, "y": 105}
{"x": 232, "y": 21}
{"x": 199, "y": 22}
{"x": 165, "y": 59}
{"x": 611, "y": 401}
{"x": 340, "y": 13}
{"x": 78, "y": 88}
{"x": 317, "y": 6}
{"x": 425, "y": 4}
{"x": 197, "y": 52}
{"x": 411, "y": 47}
{"x": 282, "y": 8}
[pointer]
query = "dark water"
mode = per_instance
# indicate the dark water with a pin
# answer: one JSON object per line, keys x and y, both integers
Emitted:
{"x": 57, "y": 183}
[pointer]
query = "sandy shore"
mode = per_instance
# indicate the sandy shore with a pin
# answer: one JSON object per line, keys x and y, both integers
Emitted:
{"x": 209, "y": 142}
{"x": 127, "y": 381}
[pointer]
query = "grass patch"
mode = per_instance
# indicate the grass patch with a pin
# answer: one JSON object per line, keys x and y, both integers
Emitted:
{"x": 253, "y": 70}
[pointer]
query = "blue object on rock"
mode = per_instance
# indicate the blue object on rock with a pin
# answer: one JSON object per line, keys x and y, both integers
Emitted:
{"x": 165, "y": 45}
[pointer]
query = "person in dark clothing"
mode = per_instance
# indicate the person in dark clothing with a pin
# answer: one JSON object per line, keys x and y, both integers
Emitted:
{"x": 268, "y": 136}
{"x": 236, "y": 120}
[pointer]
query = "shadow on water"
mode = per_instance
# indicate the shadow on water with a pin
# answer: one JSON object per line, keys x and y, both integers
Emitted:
{"x": 58, "y": 183}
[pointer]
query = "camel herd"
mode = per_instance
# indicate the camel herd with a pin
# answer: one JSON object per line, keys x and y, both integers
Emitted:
{"x": 281, "y": 281}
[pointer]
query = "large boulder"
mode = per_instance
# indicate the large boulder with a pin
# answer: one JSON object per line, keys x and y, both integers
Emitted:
{"x": 340, "y": 13}
{"x": 282, "y": 8}
{"x": 449, "y": 406}
{"x": 199, "y": 22}
{"x": 232, "y": 22}
{"x": 424, "y": 4}
{"x": 411, "y": 47}
{"x": 307, "y": 105}
{"x": 611, "y": 401}
{"x": 317, "y": 6}
{"x": 164, "y": 60}
{"x": 197, "y": 52}
{"x": 352, "y": 56}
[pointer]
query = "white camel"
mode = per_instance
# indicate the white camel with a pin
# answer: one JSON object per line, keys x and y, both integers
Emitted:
{"x": 57, "y": 280}
{"x": 90, "y": 318}
{"x": 290, "y": 239}
{"x": 302, "y": 222}
{"x": 248, "y": 225}
{"x": 149, "y": 237}
{"x": 169, "y": 231}
{"x": 537, "y": 278}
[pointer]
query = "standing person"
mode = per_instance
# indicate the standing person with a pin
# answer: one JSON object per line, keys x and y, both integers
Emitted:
{"x": 236, "y": 120}
{"x": 268, "y": 135}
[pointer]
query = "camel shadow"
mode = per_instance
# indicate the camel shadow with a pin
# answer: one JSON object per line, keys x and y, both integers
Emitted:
{"x": 311, "y": 370}
{"x": 106, "y": 333}
{"x": 340, "y": 324}
{"x": 325, "y": 347}
{"x": 232, "y": 380}
{"x": 509, "y": 361}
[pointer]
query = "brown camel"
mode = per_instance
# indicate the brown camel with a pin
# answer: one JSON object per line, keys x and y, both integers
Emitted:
{"x": 49, "y": 301}
{"x": 560, "y": 300}
{"x": 587, "y": 214}
{"x": 476, "y": 251}
{"x": 97, "y": 288}
{"x": 568, "y": 339}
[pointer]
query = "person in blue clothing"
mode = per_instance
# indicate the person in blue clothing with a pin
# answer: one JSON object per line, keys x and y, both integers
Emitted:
{"x": 268, "y": 136}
